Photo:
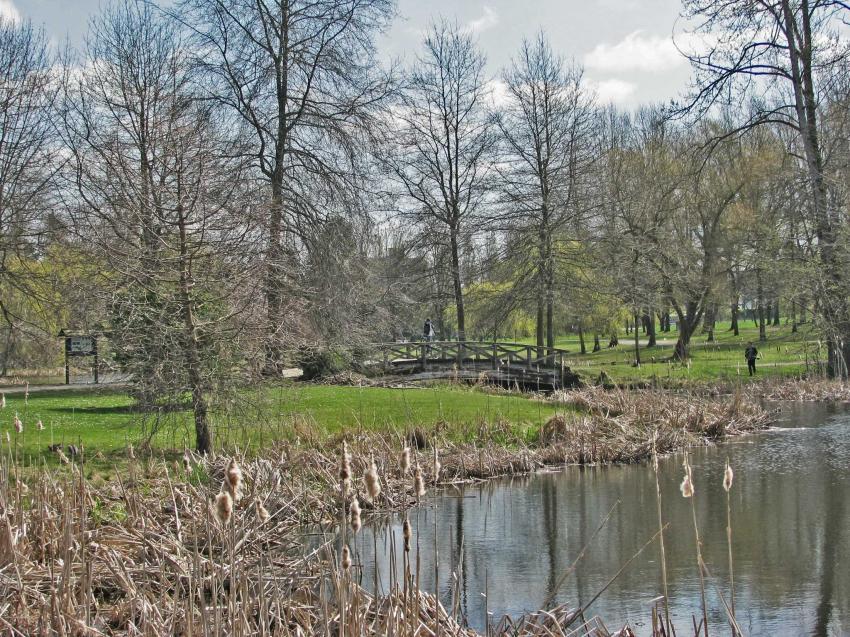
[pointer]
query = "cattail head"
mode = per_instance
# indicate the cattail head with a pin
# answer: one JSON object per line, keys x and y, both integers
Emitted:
{"x": 187, "y": 461}
{"x": 687, "y": 487}
{"x": 373, "y": 484}
{"x": 19, "y": 426}
{"x": 131, "y": 454}
{"x": 233, "y": 478}
{"x": 406, "y": 533}
{"x": 344, "y": 463}
{"x": 418, "y": 483}
{"x": 262, "y": 512}
{"x": 223, "y": 506}
{"x": 405, "y": 460}
{"x": 39, "y": 425}
{"x": 354, "y": 509}
{"x": 727, "y": 477}
{"x": 346, "y": 559}
{"x": 62, "y": 457}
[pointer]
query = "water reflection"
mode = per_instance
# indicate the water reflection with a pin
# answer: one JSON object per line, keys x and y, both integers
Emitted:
{"x": 515, "y": 538}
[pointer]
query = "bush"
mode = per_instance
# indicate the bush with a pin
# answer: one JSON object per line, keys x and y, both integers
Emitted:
{"x": 320, "y": 362}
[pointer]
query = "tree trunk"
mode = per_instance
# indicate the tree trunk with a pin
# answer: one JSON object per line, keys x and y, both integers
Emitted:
{"x": 760, "y": 307}
{"x": 581, "y": 340}
{"x": 734, "y": 301}
{"x": 709, "y": 321}
{"x": 793, "y": 317}
{"x": 200, "y": 409}
{"x": 458, "y": 287}
{"x": 689, "y": 318}
{"x": 596, "y": 345}
{"x": 835, "y": 310}
{"x": 637, "y": 340}
{"x": 650, "y": 328}
{"x": 776, "y": 313}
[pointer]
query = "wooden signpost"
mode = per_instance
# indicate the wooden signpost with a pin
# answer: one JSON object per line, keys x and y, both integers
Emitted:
{"x": 78, "y": 345}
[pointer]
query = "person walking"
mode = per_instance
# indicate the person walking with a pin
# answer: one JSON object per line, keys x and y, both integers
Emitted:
{"x": 751, "y": 353}
{"x": 428, "y": 331}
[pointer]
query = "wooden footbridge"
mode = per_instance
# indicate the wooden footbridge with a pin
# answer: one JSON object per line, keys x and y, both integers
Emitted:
{"x": 507, "y": 364}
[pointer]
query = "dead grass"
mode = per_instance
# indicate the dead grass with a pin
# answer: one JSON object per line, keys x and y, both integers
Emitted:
{"x": 147, "y": 555}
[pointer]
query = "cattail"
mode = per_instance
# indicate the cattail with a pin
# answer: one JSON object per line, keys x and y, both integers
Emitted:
{"x": 346, "y": 559}
{"x": 234, "y": 478}
{"x": 262, "y": 512}
{"x": 131, "y": 454}
{"x": 8, "y": 438}
{"x": 373, "y": 484}
{"x": 39, "y": 425}
{"x": 418, "y": 483}
{"x": 187, "y": 461}
{"x": 354, "y": 509}
{"x": 437, "y": 465}
{"x": 27, "y": 394}
{"x": 19, "y": 426}
{"x": 727, "y": 477}
{"x": 405, "y": 460}
{"x": 406, "y": 532}
{"x": 223, "y": 506}
{"x": 2, "y": 400}
{"x": 62, "y": 457}
{"x": 687, "y": 487}
{"x": 344, "y": 463}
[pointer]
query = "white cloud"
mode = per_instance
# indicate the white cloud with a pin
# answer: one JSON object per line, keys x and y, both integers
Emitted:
{"x": 636, "y": 52}
{"x": 8, "y": 11}
{"x": 498, "y": 91}
{"x": 613, "y": 91}
{"x": 487, "y": 21}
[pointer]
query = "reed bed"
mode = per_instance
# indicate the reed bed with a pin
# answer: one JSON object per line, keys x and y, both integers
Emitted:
{"x": 627, "y": 425}
{"x": 803, "y": 390}
{"x": 215, "y": 545}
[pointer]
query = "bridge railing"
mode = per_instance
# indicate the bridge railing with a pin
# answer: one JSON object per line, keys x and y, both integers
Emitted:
{"x": 496, "y": 354}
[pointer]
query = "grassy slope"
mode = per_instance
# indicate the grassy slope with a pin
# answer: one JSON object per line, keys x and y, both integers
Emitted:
{"x": 784, "y": 354}
{"x": 105, "y": 421}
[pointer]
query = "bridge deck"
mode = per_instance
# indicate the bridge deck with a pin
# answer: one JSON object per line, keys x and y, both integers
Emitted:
{"x": 501, "y": 362}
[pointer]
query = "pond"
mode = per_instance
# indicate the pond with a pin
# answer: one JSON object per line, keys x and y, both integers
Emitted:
{"x": 791, "y": 541}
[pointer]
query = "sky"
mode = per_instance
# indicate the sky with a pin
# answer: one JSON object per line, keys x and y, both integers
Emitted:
{"x": 625, "y": 46}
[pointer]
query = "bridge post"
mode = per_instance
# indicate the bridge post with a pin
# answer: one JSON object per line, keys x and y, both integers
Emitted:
{"x": 495, "y": 357}
{"x": 386, "y": 361}
{"x": 424, "y": 354}
{"x": 460, "y": 356}
{"x": 528, "y": 357}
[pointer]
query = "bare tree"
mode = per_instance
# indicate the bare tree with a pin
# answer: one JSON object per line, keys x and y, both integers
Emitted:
{"x": 443, "y": 162}
{"x": 546, "y": 127}
{"x": 157, "y": 198}
{"x": 788, "y": 55}
{"x": 28, "y": 160}
{"x": 300, "y": 80}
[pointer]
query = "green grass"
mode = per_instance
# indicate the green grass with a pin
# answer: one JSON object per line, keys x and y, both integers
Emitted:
{"x": 783, "y": 354}
{"x": 105, "y": 422}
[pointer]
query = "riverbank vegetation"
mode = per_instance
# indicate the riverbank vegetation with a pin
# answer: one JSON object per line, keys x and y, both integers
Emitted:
{"x": 217, "y": 540}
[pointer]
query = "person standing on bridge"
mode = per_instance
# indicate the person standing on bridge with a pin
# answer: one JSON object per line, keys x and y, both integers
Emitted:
{"x": 428, "y": 331}
{"x": 751, "y": 353}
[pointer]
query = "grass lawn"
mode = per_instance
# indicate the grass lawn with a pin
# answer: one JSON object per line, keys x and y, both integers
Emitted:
{"x": 783, "y": 354}
{"x": 105, "y": 422}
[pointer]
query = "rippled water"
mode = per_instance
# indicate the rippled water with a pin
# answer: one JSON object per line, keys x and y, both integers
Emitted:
{"x": 791, "y": 542}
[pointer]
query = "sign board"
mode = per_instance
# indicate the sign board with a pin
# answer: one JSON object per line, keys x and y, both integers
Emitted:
{"x": 80, "y": 346}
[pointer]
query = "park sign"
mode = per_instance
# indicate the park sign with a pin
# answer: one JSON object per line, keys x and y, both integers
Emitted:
{"x": 80, "y": 345}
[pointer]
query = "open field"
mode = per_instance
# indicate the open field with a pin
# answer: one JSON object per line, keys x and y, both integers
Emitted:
{"x": 783, "y": 354}
{"x": 104, "y": 422}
